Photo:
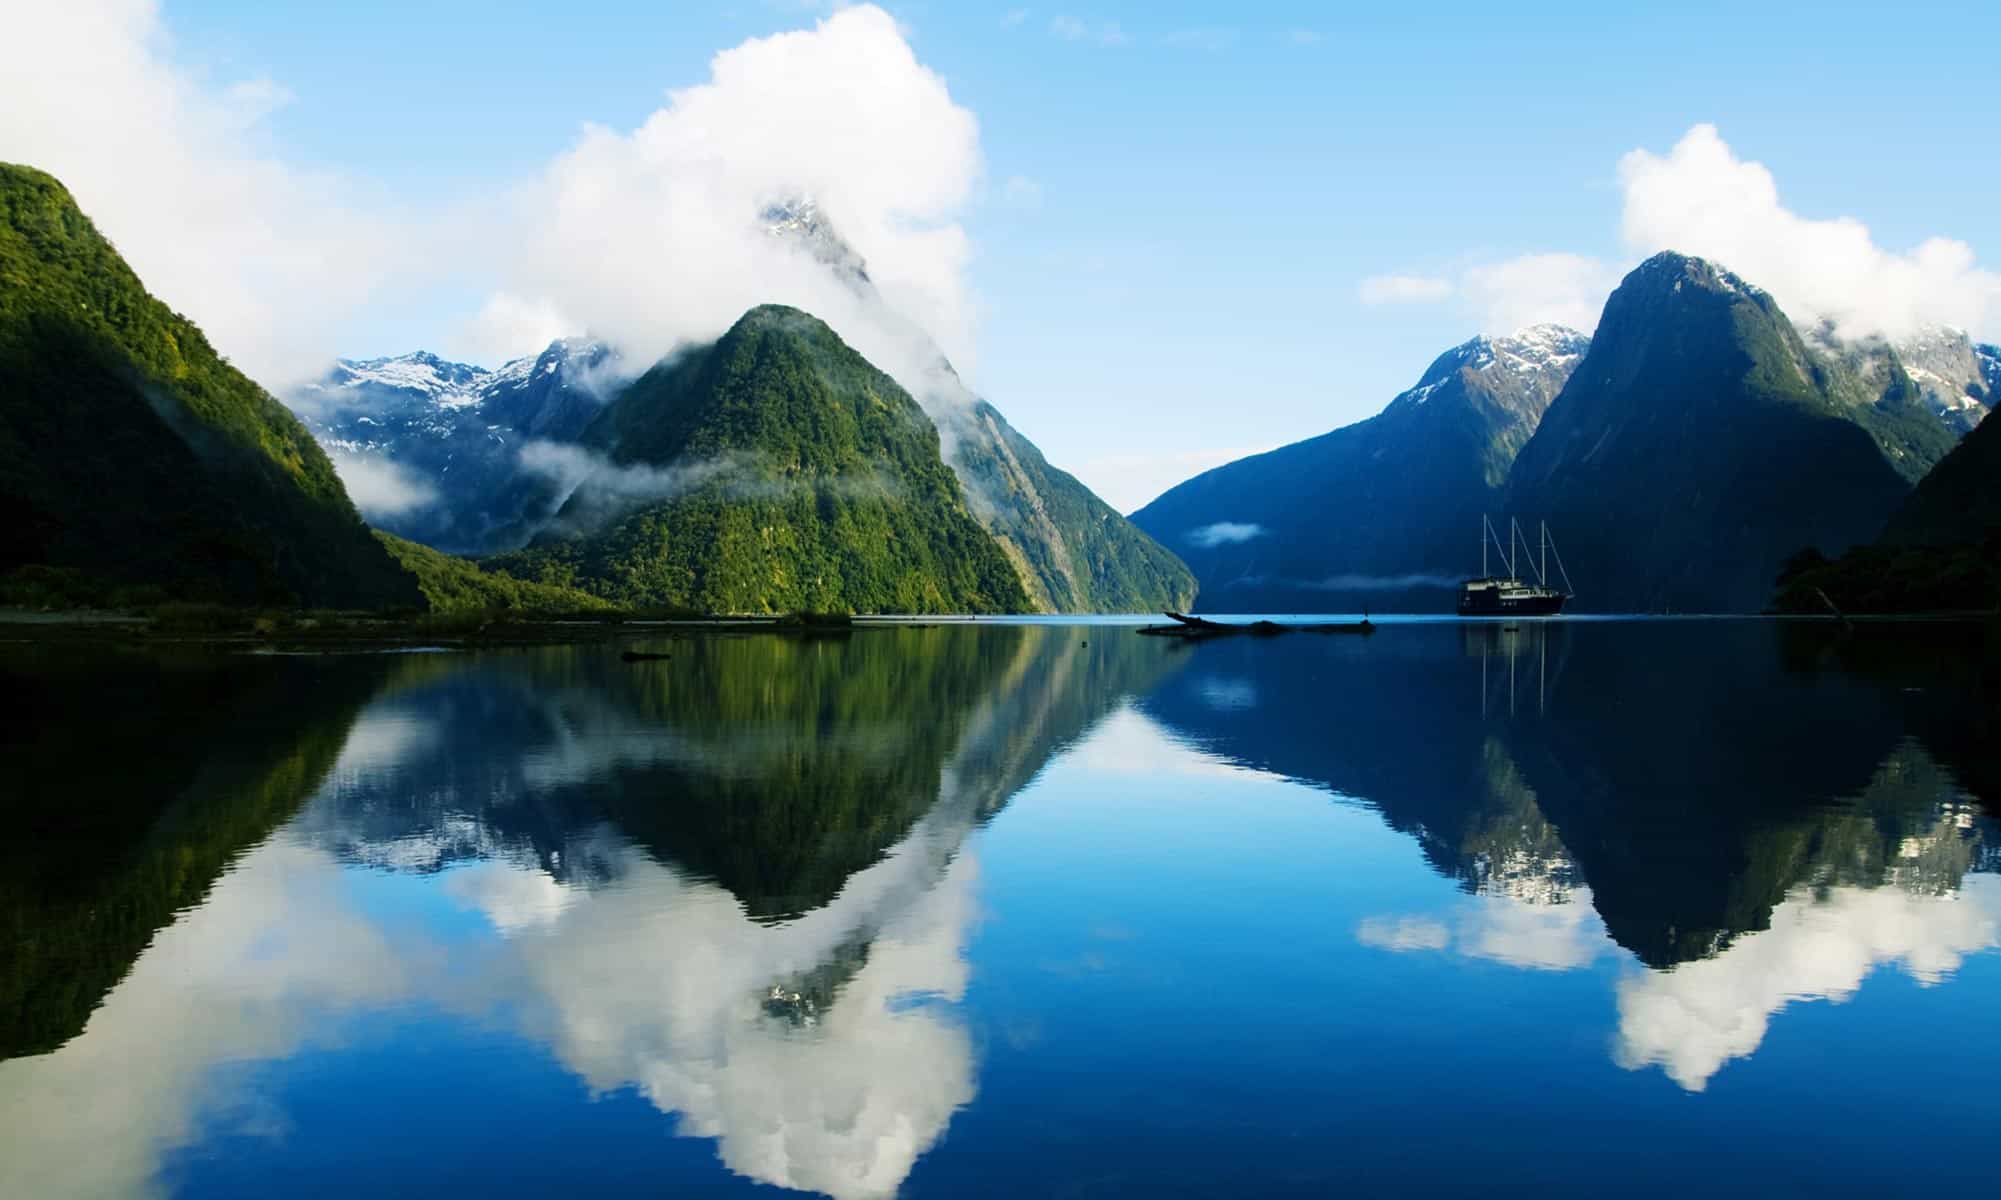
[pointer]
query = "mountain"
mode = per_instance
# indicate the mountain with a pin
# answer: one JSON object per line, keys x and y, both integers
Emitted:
{"x": 1384, "y": 511}
{"x": 1959, "y": 501}
{"x": 442, "y": 441}
{"x": 773, "y": 470}
{"x": 1956, "y": 379}
{"x": 1701, "y": 442}
{"x": 1939, "y": 552}
{"x": 1073, "y": 552}
{"x": 133, "y": 455}
{"x": 1941, "y": 363}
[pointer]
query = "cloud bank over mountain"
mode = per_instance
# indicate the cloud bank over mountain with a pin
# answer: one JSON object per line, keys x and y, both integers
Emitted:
{"x": 1701, "y": 198}
{"x": 652, "y": 237}
{"x": 648, "y": 237}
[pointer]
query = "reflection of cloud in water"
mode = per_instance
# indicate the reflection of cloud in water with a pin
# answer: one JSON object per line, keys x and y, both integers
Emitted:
{"x": 654, "y": 982}
{"x": 250, "y": 975}
{"x": 1127, "y": 742}
{"x": 658, "y": 984}
{"x": 1691, "y": 1020}
{"x": 1403, "y": 933}
{"x": 1228, "y": 695}
{"x": 1545, "y": 936}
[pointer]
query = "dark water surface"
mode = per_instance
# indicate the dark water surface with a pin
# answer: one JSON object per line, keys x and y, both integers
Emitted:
{"x": 1657, "y": 908}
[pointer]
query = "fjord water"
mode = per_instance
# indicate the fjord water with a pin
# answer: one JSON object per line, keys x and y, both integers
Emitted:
{"x": 983, "y": 909}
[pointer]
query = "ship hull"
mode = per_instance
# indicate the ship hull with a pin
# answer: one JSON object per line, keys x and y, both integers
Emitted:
{"x": 1491, "y": 605}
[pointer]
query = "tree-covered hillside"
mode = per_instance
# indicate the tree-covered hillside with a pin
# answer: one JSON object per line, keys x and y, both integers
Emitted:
{"x": 775, "y": 470}
{"x": 1074, "y": 552}
{"x": 132, "y": 452}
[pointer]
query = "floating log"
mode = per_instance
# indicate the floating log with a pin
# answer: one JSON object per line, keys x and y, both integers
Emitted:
{"x": 1198, "y": 628}
{"x": 643, "y": 656}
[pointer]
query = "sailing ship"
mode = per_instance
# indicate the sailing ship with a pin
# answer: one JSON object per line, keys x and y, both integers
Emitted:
{"x": 1511, "y": 595}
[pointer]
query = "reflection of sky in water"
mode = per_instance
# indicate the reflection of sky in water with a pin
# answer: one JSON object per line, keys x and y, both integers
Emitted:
{"x": 1158, "y": 968}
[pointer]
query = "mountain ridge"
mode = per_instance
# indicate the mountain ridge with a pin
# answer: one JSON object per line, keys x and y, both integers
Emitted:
{"x": 773, "y": 470}
{"x": 132, "y": 453}
{"x": 1382, "y": 511}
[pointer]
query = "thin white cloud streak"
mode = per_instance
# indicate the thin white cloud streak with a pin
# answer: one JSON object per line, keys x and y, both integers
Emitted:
{"x": 1701, "y": 198}
{"x": 269, "y": 258}
{"x": 382, "y": 487}
{"x": 1223, "y": 533}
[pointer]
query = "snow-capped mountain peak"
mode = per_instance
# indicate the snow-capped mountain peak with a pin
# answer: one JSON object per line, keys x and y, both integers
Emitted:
{"x": 800, "y": 222}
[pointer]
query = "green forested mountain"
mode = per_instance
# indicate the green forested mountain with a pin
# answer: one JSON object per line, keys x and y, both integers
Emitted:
{"x": 132, "y": 453}
{"x": 453, "y": 585}
{"x": 1940, "y": 552}
{"x": 1701, "y": 442}
{"x": 1073, "y": 551}
{"x": 774, "y": 470}
{"x": 1385, "y": 511}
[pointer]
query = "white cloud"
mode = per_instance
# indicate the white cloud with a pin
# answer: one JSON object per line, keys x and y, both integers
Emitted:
{"x": 1304, "y": 37}
{"x": 1404, "y": 289}
{"x": 1505, "y": 295}
{"x": 651, "y": 238}
{"x": 1535, "y": 289}
{"x": 267, "y": 257}
{"x": 1013, "y": 17}
{"x": 381, "y": 487}
{"x": 1224, "y": 533}
{"x": 1701, "y": 198}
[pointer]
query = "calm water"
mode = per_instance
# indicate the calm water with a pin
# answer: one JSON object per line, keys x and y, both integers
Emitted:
{"x": 1663, "y": 907}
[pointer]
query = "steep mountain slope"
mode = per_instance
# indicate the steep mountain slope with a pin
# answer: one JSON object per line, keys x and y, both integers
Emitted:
{"x": 1385, "y": 511}
{"x": 774, "y": 470}
{"x": 1951, "y": 374}
{"x": 1701, "y": 442}
{"x": 1959, "y": 501}
{"x": 1074, "y": 552}
{"x": 442, "y": 442}
{"x": 132, "y": 453}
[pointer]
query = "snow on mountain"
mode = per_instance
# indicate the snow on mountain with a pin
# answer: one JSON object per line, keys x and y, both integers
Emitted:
{"x": 452, "y": 433}
{"x": 1540, "y": 358}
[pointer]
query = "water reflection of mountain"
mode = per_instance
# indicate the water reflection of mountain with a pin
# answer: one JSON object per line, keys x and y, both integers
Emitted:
{"x": 776, "y": 767}
{"x": 1689, "y": 773}
{"x": 132, "y": 781}
{"x": 789, "y": 997}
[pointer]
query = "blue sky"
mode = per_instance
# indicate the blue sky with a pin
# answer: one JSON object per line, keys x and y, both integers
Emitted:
{"x": 1178, "y": 204}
